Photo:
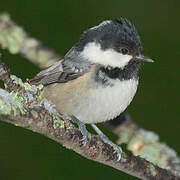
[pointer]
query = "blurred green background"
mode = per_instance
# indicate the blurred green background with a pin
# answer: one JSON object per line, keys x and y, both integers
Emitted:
{"x": 25, "y": 155}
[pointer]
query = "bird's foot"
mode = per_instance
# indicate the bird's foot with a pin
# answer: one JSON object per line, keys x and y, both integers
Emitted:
{"x": 117, "y": 148}
{"x": 82, "y": 128}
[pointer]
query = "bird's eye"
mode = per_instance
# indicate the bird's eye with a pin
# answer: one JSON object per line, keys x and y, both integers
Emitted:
{"x": 124, "y": 51}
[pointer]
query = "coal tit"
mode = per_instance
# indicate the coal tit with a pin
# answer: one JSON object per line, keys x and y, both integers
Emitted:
{"x": 98, "y": 77}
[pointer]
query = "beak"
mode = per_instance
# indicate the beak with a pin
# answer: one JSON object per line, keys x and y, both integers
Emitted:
{"x": 143, "y": 58}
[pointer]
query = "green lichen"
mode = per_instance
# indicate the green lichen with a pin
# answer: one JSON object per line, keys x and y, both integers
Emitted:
{"x": 11, "y": 37}
{"x": 4, "y": 108}
{"x": 149, "y": 149}
{"x": 7, "y": 109}
{"x": 16, "y": 80}
{"x": 5, "y": 85}
{"x": 13, "y": 45}
{"x": 13, "y": 94}
{"x": 35, "y": 114}
{"x": 133, "y": 142}
{"x": 152, "y": 170}
{"x": 40, "y": 86}
{"x": 5, "y": 17}
{"x": 20, "y": 99}
{"x": 19, "y": 82}
{"x": 123, "y": 158}
{"x": 124, "y": 135}
{"x": 27, "y": 86}
{"x": 17, "y": 96}
{"x": 43, "y": 100}
{"x": 57, "y": 123}
{"x": 14, "y": 109}
{"x": 151, "y": 153}
{"x": 17, "y": 34}
{"x": 155, "y": 153}
{"x": 23, "y": 111}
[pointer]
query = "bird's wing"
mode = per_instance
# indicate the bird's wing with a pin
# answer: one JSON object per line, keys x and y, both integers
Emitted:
{"x": 57, "y": 73}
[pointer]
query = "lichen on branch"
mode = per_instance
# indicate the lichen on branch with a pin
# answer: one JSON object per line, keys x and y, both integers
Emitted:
{"x": 16, "y": 40}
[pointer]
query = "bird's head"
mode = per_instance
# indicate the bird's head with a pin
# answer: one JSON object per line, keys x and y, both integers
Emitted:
{"x": 112, "y": 43}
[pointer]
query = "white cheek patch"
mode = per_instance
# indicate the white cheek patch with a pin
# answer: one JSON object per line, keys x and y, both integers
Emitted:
{"x": 93, "y": 53}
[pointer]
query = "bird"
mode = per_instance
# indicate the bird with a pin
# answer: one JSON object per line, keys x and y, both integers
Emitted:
{"x": 98, "y": 77}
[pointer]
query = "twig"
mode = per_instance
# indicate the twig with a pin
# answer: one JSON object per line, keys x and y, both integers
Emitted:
{"x": 16, "y": 40}
{"x": 143, "y": 143}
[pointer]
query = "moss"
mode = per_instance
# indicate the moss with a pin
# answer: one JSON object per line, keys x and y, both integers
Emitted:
{"x": 7, "y": 109}
{"x": 123, "y": 158}
{"x": 19, "y": 82}
{"x": 27, "y": 86}
{"x": 43, "y": 99}
{"x": 20, "y": 99}
{"x": 13, "y": 46}
{"x": 155, "y": 153}
{"x": 149, "y": 149}
{"x": 124, "y": 135}
{"x": 14, "y": 110}
{"x": 152, "y": 170}
{"x": 40, "y": 86}
{"x": 57, "y": 122}
{"x": 17, "y": 96}
{"x": 16, "y": 80}
{"x": 133, "y": 142}
{"x": 4, "y": 108}
{"x": 23, "y": 111}
{"x": 5, "y": 17}
{"x": 13, "y": 94}
{"x": 35, "y": 114}
{"x": 11, "y": 37}
{"x": 5, "y": 85}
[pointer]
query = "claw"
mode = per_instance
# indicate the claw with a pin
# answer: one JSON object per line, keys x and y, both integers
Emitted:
{"x": 82, "y": 128}
{"x": 117, "y": 149}
{"x": 86, "y": 137}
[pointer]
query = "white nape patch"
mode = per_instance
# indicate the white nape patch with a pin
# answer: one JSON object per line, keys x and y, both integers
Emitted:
{"x": 103, "y": 103}
{"x": 101, "y": 24}
{"x": 93, "y": 53}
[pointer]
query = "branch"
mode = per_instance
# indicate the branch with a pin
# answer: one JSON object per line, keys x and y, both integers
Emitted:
{"x": 15, "y": 40}
{"x": 145, "y": 144}
{"x": 21, "y": 105}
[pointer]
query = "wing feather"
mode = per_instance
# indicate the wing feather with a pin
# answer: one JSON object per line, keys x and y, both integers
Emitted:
{"x": 57, "y": 73}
